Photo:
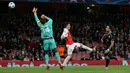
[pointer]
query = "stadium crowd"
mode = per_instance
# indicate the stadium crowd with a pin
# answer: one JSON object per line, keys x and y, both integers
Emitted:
{"x": 21, "y": 39}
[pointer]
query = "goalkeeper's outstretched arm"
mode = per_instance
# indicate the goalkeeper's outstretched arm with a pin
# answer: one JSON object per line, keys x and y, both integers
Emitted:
{"x": 35, "y": 15}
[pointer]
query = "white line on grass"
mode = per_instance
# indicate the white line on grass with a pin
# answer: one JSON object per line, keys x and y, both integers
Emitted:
{"x": 91, "y": 71}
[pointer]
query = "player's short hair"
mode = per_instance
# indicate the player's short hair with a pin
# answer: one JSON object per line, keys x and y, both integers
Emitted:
{"x": 66, "y": 23}
{"x": 110, "y": 26}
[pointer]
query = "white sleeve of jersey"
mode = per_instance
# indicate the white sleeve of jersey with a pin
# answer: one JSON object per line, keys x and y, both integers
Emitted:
{"x": 64, "y": 34}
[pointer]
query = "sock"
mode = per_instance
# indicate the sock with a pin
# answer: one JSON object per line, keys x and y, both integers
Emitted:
{"x": 66, "y": 60}
{"x": 107, "y": 62}
{"x": 46, "y": 59}
{"x": 57, "y": 56}
{"x": 85, "y": 47}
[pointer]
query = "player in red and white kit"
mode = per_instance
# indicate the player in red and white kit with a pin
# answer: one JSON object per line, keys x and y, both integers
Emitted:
{"x": 70, "y": 44}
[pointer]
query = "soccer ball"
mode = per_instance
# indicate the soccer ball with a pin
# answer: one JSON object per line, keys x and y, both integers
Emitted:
{"x": 11, "y": 5}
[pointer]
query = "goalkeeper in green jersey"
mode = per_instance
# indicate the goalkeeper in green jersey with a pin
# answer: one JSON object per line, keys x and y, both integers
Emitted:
{"x": 47, "y": 36}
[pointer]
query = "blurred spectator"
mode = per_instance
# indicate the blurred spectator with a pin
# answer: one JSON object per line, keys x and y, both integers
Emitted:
{"x": 22, "y": 40}
{"x": 129, "y": 56}
{"x": 26, "y": 58}
{"x": 60, "y": 49}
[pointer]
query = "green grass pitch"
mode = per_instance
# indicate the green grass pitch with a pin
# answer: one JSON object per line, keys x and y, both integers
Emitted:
{"x": 87, "y": 69}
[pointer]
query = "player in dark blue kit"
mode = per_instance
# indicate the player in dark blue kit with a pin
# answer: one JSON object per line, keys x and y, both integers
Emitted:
{"x": 108, "y": 40}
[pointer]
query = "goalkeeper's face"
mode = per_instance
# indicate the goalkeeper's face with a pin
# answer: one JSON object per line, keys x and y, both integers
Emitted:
{"x": 68, "y": 26}
{"x": 42, "y": 19}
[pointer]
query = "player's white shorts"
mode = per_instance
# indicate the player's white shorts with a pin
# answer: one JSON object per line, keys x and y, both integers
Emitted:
{"x": 71, "y": 47}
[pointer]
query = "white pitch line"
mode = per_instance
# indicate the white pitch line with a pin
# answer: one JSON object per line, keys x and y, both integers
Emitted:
{"x": 95, "y": 72}
{"x": 91, "y": 71}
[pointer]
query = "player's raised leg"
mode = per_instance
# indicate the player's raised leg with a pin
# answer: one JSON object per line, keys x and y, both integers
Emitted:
{"x": 85, "y": 47}
{"x": 108, "y": 57}
{"x": 117, "y": 58}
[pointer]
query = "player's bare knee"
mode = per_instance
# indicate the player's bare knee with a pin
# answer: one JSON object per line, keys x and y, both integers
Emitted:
{"x": 81, "y": 44}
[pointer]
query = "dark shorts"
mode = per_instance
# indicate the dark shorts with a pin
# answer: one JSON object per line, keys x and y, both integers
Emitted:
{"x": 109, "y": 54}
